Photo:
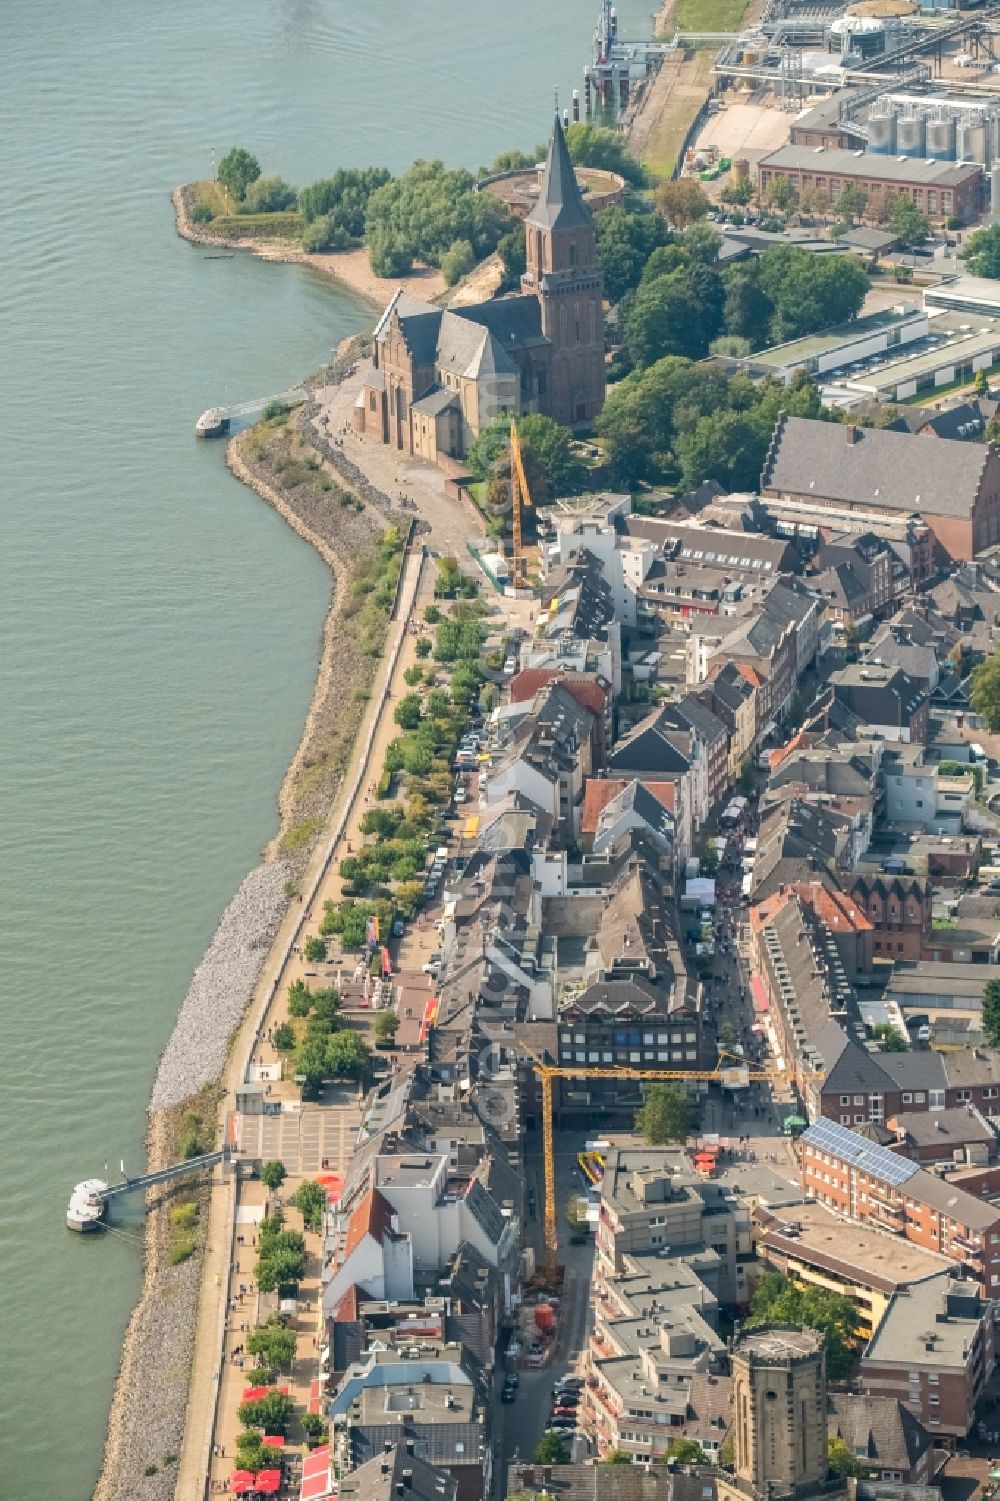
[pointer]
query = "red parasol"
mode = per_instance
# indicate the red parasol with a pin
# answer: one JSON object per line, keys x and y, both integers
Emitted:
{"x": 241, "y": 1481}
{"x": 268, "y": 1482}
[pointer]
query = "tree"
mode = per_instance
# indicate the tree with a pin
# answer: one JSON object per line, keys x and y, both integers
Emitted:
{"x": 781, "y": 194}
{"x": 314, "y": 1425}
{"x": 407, "y": 712}
{"x": 985, "y": 694}
{"x": 283, "y": 1038}
{"x": 283, "y": 1267}
{"x": 662, "y": 318}
{"x": 682, "y": 202}
{"x": 268, "y": 195}
{"x": 273, "y": 1413}
{"x": 315, "y": 950}
{"x": 776, "y": 1300}
{"x": 616, "y": 1457}
{"x": 595, "y": 146}
{"x": 842, "y": 1460}
{"x": 299, "y": 998}
{"x": 251, "y": 1451}
{"x": 237, "y": 170}
{"x": 273, "y": 1344}
{"x": 991, "y": 1013}
{"x": 552, "y": 1449}
{"x": 982, "y": 383}
{"x": 667, "y": 1114}
{"x": 551, "y": 466}
{"x": 385, "y": 1027}
{"x": 890, "y": 1039}
{"x": 850, "y": 203}
{"x": 982, "y": 252}
{"x": 425, "y": 211}
{"x": 725, "y": 446}
{"x": 347, "y": 1056}
{"x": 513, "y": 257}
{"x": 739, "y": 191}
{"x": 457, "y": 261}
{"x": 273, "y": 1175}
{"x": 727, "y": 1453}
{"x": 686, "y": 1451}
{"x": 906, "y": 221}
{"x": 310, "y": 1200}
{"x": 625, "y": 242}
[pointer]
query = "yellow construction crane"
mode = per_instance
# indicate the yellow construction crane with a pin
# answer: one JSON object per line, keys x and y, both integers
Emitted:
{"x": 547, "y": 1072}
{"x": 520, "y": 496}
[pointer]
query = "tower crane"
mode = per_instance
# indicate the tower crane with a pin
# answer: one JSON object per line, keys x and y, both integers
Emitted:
{"x": 548, "y": 1072}
{"x": 520, "y": 496}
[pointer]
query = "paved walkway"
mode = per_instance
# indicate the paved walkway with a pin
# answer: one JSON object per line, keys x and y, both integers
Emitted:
{"x": 267, "y": 1007}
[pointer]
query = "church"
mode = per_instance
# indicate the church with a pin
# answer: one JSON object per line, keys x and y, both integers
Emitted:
{"x": 439, "y": 375}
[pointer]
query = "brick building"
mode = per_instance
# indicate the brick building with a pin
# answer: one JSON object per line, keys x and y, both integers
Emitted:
{"x": 934, "y": 1352}
{"x": 863, "y": 1181}
{"x": 941, "y": 190}
{"x": 953, "y": 486}
{"x": 440, "y": 376}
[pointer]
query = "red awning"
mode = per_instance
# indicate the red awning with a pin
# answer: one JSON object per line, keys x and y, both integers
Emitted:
{"x": 254, "y": 1393}
{"x": 241, "y": 1481}
{"x": 429, "y": 1017}
{"x": 759, "y": 993}
{"x": 317, "y": 1483}
{"x": 273, "y": 1441}
{"x": 268, "y": 1482}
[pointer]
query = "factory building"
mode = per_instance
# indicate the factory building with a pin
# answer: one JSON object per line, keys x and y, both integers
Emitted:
{"x": 940, "y": 189}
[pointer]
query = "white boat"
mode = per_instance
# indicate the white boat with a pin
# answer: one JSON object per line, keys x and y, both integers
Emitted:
{"x": 87, "y": 1207}
{"x": 212, "y": 424}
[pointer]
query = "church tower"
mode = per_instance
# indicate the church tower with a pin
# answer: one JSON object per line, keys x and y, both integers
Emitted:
{"x": 563, "y": 274}
{"x": 779, "y": 1414}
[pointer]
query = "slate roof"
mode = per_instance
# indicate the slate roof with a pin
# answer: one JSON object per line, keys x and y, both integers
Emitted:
{"x": 437, "y": 400}
{"x": 560, "y": 203}
{"x": 382, "y": 1478}
{"x": 879, "y": 1431}
{"x": 887, "y": 469}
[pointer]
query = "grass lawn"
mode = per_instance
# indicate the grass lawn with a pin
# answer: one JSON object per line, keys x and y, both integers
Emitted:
{"x": 709, "y": 15}
{"x": 683, "y": 103}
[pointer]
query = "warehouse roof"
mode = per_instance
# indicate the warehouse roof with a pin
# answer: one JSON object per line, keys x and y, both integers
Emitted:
{"x": 839, "y": 163}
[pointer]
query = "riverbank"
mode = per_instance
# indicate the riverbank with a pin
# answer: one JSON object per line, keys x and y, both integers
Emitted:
{"x": 349, "y": 268}
{"x": 149, "y": 1406}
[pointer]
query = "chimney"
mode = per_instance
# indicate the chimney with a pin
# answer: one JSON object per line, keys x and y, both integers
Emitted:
{"x": 408, "y": 1479}
{"x": 852, "y": 433}
{"x": 409, "y": 1446}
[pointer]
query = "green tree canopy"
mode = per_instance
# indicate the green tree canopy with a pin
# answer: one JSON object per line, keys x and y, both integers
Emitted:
{"x": 906, "y": 221}
{"x": 457, "y": 261}
{"x": 552, "y": 1449}
{"x": 891, "y": 1040}
{"x": 426, "y": 210}
{"x": 273, "y": 1175}
{"x": 385, "y": 1026}
{"x": 310, "y": 1200}
{"x": 667, "y": 1114}
{"x": 842, "y": 1459}
{"x": 315, "y": 950}
{"x": 550, "y": 464}
{"x": 272, "y": 1413}
{"x": 595, "y": 146}
{"x": 776, "y": 1300}
{"x": 342, "y": 200}
{"x": 982, "y": 252}
{"x": 991, "y": 1013}
{"x": 686, "y": 1451}
{"x": 347, "y": 1055}
{"x": 268, "y": 195}
{"x": 625, "y": 242}
{"x": 237, "y": 170}
{"x": 682, "y": 201}
{"x": 273, "y": 1344}
{"x": 985, "y": 694}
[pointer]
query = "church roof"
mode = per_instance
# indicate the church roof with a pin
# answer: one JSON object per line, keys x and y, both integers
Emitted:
{"x": 560, "y": 203}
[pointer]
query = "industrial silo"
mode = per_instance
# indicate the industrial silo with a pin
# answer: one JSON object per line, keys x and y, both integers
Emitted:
{"x": 911, "y": 135}
{"x": 973, "y": 140}
{"x": 995, "y": 191}
{"x": 941, "y": 136}
{"x": 882, "y": 130}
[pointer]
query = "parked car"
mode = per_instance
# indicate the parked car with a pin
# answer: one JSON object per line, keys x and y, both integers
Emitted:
{"x": 398, "y": 928}
{"x": 461, "y": 796}
{"x": 563, "y": 1411}
{"x": 509, "y": 1393}
{"x": 431, "y": 965}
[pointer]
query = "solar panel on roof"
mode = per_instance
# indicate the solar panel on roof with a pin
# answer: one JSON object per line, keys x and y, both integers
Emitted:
{"x": 862, "y": 1153}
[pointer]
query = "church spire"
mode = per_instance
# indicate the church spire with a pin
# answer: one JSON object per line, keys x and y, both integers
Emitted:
{"x": 560, "y": 203}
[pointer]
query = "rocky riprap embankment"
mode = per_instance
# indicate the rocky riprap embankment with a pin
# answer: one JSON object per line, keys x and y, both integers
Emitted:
{"x": 222, "y": 986}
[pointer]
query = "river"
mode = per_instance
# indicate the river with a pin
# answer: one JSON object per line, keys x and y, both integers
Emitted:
{"x": 158, "y": 624}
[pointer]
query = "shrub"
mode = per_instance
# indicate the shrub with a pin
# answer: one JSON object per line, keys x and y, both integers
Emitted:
{"x": 201, "y": 214}
{"x": 268, "y": 195}
{"x": 457, "y": 261}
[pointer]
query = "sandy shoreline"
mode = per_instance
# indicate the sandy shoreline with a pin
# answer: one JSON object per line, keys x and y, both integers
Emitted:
{"x": 349, "y": 268}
